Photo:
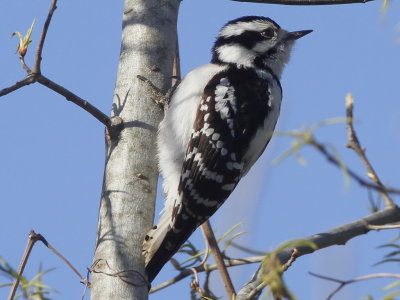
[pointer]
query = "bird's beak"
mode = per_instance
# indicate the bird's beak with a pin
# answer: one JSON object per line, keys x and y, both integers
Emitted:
{"x": 298, "y": 34}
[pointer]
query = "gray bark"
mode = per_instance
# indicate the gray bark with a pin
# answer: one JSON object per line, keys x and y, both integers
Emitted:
{"x": 130, "y": 177}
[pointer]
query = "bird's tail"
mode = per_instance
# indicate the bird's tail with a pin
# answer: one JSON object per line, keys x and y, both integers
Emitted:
{"x": 162, "y": 242}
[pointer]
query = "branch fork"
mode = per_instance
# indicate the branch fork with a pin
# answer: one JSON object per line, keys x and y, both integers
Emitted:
{"x": 35, "y": 75}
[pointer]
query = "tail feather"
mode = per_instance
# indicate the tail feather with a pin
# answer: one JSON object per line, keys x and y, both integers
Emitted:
{"x": 164, "y": 253}
{"x": 155, "y": 237}
{"x": 163, "y": 241}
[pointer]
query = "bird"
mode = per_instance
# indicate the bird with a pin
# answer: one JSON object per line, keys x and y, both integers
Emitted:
{"x": 219, "y": 121}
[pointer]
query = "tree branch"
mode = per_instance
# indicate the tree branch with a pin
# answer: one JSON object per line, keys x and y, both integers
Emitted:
{"x": 35, "y": 75}
{"x": 38, "y": 57}
{"x": 212, "y": 242}
{"x": 337, "y": 236}
{"x": 332, "y": 159}
{"x": 130, "y": 177}
{"x": 95, "y": 112}
{"x": 202, "y": 268}
{"x": 382, "y": 227}
{"x": 343, "y": 283}
{"x": 32, "y": 239}
{"x": 305, "y": 2}
{"x": 31, "y": 242}
{"x": 19, "y": 84}
{"x": 354, "y": 144}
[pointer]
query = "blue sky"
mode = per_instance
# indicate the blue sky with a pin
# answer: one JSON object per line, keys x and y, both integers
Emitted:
{"x": 52, "y": 152}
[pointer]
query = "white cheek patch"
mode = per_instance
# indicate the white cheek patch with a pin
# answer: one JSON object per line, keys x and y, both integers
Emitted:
{"x": 233, "y": 53}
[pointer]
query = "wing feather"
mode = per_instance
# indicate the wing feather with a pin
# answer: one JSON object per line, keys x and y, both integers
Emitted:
{"x": 233, "y": 107}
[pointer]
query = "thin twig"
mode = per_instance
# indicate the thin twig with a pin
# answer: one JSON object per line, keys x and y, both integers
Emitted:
{"x": 306, "y": 2}
{"x": 187, "y": 272}
{"x": 94, "y": 111}
{"x": 176, "y": 69}
{"x": 343, "y": 283}
{"x": 382, "y": 227}
{"x": 212, "y": 242}
{"x": 35, "y": 75}
{"x": 24, "y": 65}
{"x": 336, "y": 236}
{"x": 320, "y": 147}
{"x": 353, "y": 143}
{"x": 19, "y": 84}
{"x": 206, "y": 251}
{"x": 32, "y": 239}
{"x": 32, "y": 78}
{"x": 63, "y": 258}
{"x": 159, "y": 97}
{"x": 292, "y": 259}
{"x": 306, "y": 138}
{"x": 38, "y": 57}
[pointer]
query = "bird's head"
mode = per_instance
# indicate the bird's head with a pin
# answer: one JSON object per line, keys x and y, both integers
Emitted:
{"x": 255, "y": 42}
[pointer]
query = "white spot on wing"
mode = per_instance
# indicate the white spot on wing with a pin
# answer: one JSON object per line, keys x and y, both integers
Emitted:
{"x": 203, "y": 107}
{"x": 228, "y": 187}
{"x": 209, "y": 131}
{"x": 215, "y": 136}
{"x": 224, "y": 100}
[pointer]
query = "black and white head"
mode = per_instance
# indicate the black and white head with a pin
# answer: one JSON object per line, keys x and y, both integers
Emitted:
{"x": 255, "y": 42}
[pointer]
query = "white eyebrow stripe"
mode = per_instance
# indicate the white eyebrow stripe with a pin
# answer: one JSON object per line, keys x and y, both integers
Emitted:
{"x": 240, "y": 27}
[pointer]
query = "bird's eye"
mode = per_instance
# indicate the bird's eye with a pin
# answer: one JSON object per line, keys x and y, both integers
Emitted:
{"x": 268, "y": 33}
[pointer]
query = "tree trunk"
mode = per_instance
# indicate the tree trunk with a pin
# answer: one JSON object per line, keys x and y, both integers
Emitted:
{"x": 130, "y": 177}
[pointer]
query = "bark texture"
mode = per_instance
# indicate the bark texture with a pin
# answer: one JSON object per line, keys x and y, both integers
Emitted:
{"x": 130, "y": 178}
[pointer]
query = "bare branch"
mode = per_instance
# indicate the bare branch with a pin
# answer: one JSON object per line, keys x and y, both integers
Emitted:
{"x": 343, "y": 283}
{"x": 356, "y": 146}
{"x": 19, "y": 84}
{"x": 337, "y": 236}
{"x": 24, "y": 65}
{"x": 32, "y": 239}
{"x": 176, "y": 70}
{"x": 32, "y": 78}
{"x": 40, "y": 237}
{"x": 95, "y": 112}
{"x": 35, "y": 75}
{"x": 381, "y": 227}
{"x": 38, "y": 57}
{"x": 201, "y": 268}
{"x": 293, "y": 256}
{"x": 306, "y": 2}
{"x": 159, "y": 97}
{"x": 307, "y": 138}
{"x": 212, "y": 242}
{"x": 31, "y": 242}
{"x": 332, "y": 159}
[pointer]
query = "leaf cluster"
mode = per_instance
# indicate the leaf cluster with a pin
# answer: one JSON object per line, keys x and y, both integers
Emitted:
{"x": 29, "y": 289}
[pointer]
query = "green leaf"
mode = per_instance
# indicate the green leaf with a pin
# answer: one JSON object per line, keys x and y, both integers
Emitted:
{"x": 392, "y": 285}
{"x": 230, "y": 230}
{"x": 24, "y": 41}
{"x": 386, "y": 261}
{"x": 229, "y": 241}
